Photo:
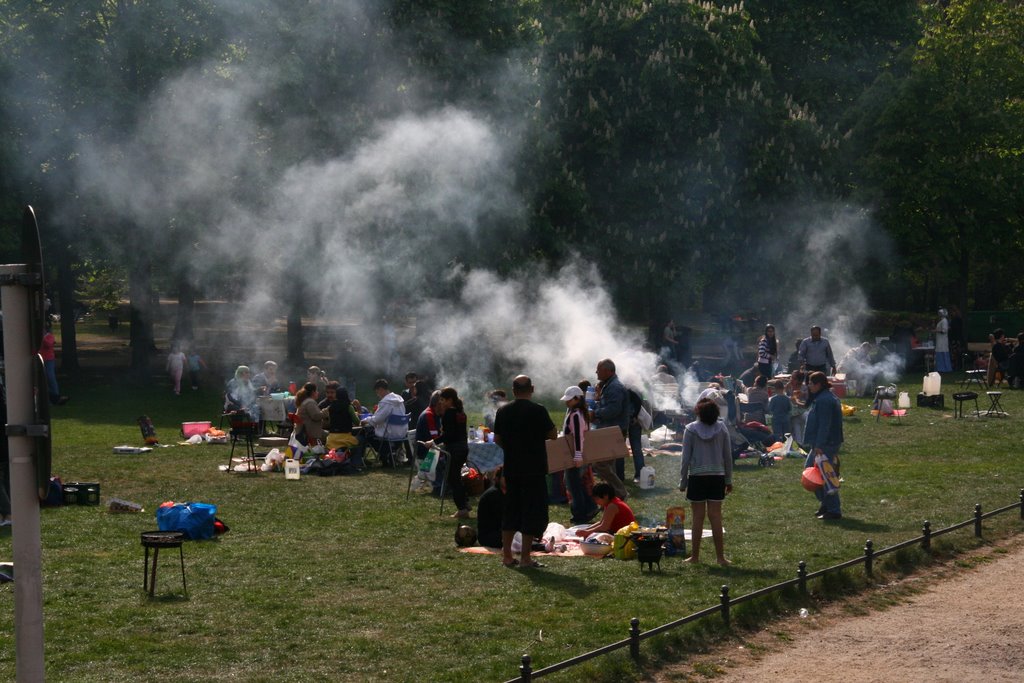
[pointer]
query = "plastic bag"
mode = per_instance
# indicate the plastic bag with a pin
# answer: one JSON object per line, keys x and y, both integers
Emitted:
{"x": 428, "y": 466}
{"x": 623, "y": 547}
{"x": 195, "y": 520}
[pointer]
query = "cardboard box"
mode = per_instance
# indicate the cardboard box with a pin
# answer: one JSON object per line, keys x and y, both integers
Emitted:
{"x": 598, "y": 445}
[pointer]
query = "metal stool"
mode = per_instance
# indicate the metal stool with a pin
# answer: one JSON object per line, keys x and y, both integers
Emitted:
{"x": 995, "y": 408}
{"x": 958, "y": 403}
{"x": 973, "y": 377}
{"x": 157, "y": 540}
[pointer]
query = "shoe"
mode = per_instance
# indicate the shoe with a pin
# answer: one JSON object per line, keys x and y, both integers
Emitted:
{"x": 820, "y": 512}
{"x": 636, "y": 480}
{"x": 830, "y": 515}
{"x": 511, "y": 565}
{"x": 460, "y": 514}
{"x": 62, "y": 400}
{"x": 534, "y": 564}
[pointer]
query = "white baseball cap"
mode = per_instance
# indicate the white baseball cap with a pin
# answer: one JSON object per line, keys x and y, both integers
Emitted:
{"x": 571, "y": 393}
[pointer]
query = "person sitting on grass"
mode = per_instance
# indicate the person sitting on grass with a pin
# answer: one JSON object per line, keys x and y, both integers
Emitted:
{"x": 309, "y": 426}
{"x": 616, "y": 513}
{"x": 488, "y": 513}
{"x": 340, "y": 417}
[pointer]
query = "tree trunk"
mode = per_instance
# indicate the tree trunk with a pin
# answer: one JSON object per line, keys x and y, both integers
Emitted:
{"x": 183, "y": 325}
{"x": 66, "y": 296}
{"x": 140, "y": 316}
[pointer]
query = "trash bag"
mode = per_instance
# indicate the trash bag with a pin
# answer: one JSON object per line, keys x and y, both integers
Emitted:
{"x": 195, "y": 520}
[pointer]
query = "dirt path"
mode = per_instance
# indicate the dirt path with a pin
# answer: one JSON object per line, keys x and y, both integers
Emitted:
{"x": 964, "y": 624}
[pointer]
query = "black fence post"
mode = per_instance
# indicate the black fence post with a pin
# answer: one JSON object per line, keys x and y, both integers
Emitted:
{"x": 801, "y": 575}
{"x": 926, "y": 535}
{"x": 724, "y": 598}
{"x": 977, "y": 520}
{"x": 869, "y": 557}
{"x": 525, "y": 672}
{"x": 634, "y": 639}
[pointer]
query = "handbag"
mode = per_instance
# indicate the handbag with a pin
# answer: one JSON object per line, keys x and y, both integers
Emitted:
{"x": 645, "y": 419}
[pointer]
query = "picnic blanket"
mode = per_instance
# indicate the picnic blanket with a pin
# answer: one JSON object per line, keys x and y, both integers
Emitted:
{"x": 563, "y": 548}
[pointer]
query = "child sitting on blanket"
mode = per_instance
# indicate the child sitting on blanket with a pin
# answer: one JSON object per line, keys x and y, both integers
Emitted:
{"x": 616, "y": 513}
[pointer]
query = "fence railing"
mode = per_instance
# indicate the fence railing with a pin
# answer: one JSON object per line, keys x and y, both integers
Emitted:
{"x": 726, "y": 602}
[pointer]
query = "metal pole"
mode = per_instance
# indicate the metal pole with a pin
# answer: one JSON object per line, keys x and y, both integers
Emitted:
{"x": 634, "y": 639}
{"x": 28, "y": 583}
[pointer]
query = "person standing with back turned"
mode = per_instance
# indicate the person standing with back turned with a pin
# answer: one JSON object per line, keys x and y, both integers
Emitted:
{"x": 612, "y": 411}
{"x": 520, "y": 429}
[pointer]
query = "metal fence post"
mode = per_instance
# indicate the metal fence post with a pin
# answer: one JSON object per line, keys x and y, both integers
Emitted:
{"x": 926, "y": 535}
{"x": 977, "y": 520}
{"x": 634, "y": 639}
{"x": 869, "y": 557}
{"x": 801, "y": 575}
{"x": 525, "y": 672}
{"x": 724, "y": 598}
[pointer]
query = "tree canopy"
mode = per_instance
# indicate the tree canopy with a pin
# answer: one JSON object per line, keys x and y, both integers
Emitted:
{"x": 669, "y": 144}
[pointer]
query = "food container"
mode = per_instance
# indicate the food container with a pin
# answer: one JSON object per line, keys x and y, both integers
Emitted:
{"x": 595, "y": 549}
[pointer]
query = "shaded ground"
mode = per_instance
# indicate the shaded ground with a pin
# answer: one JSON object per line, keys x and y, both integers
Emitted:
{"x": 957, "y": 622}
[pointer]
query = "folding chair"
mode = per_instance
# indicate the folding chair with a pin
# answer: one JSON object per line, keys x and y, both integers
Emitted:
{"x": 391, "y": 447}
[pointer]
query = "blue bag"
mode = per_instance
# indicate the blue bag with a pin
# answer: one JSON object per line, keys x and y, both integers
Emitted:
{"x": 195, "y": 520}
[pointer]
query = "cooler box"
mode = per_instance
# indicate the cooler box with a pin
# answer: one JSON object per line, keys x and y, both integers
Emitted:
{"x": 192, "y": 428}
{"x": 926, "y": 401}
{"x": 839, "y": 388}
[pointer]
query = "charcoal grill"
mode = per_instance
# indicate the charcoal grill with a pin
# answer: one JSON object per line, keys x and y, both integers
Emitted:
{"x": 649, "y": 548}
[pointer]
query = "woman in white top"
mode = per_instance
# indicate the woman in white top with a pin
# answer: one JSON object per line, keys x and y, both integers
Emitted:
{"x": 574, "y": 428}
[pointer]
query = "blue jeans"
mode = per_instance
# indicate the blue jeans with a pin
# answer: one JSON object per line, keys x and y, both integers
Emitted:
{"x": 582, "y": 506}
{"x": 636, "y": 446}
{"x": 51, "y": 379}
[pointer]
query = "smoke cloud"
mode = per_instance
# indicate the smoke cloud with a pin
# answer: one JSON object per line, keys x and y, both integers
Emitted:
{"x": 372, "y": 227}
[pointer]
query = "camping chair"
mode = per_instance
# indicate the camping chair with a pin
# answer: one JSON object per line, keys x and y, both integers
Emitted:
{"x": 752, "y": 411}
{"x": 391, "y": 447}
{"x": 242, "y": 428}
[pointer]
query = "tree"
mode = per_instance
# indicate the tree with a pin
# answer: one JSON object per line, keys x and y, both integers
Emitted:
{"x": 665, "y": 147}
{"x": 945, "y": 159}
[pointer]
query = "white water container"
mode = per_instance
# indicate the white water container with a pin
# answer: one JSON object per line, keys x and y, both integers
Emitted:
{"x": 932, "y": 384}
{"x": 647, "y": 477}
{"x": 904, "y": 400}
{"x": 291, "y": 468}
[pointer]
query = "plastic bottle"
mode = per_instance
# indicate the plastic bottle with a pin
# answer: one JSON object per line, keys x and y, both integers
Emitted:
{"x": 591, "y": 400}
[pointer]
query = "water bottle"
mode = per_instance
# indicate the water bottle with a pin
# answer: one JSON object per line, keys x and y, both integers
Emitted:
{"x": 591, "y": 401}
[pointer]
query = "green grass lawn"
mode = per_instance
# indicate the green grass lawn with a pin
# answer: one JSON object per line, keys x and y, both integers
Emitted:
{"x": 342, "y": 579}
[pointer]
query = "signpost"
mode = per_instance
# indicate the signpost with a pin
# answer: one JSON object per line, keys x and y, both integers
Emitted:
{"x": 28, "y": 433}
